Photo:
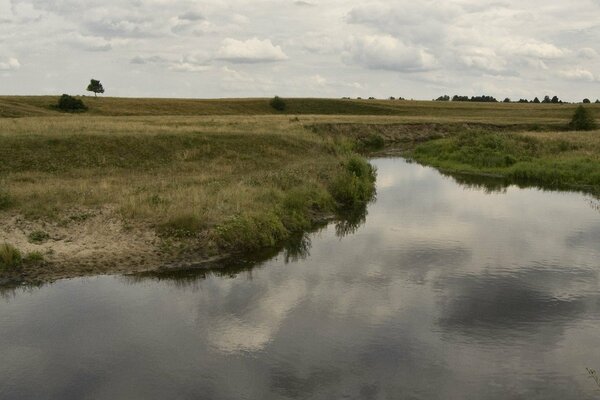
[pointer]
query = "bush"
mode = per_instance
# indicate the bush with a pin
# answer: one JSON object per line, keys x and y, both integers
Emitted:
{"x": 10, "y": 256}
{"x": 70, "y": 104}
{"x": 582, "y": 120}
{"x": 277, "y": 103}
{"x": 38, "y": 237}
{"x": 355, "y": 185}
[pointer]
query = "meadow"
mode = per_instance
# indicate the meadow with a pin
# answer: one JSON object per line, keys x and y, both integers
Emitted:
{"x": 140, "y": 184}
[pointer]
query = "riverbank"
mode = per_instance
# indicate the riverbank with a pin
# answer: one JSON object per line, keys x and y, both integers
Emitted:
{"x": 560, "y": 160}
{"x": 102, "y": 193}
{"x": 85, "y": 195}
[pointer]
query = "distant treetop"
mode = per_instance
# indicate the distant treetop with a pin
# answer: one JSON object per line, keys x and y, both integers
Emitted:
{"x": 95, "y": 86}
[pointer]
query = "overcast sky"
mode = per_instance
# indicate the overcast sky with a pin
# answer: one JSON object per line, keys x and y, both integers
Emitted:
{"x": 244, "y": 48}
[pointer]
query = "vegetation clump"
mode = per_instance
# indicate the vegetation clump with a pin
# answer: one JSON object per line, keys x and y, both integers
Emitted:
{"x": 10, "y": 257}
{"x": 70, "y": 104}
{"x": 277, "y": 103}
{"x": 565, "y": 161}
{"x": 38, "y": 237}
{"x": 582, "y": 120}
{"x": 354, "y": 186}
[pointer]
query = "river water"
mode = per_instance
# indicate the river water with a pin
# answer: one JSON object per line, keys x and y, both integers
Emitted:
{"x": 447, "y": 291}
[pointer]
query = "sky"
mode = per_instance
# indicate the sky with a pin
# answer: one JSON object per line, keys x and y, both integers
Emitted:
{"x": 302, "y": 48}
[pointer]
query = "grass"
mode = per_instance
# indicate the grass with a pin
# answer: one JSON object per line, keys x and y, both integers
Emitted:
{"x": 232, "y": 183}
{"x": 25, "y": 106}
{"x": 38, "y": 237}
{"x": 554, "y": 159}
{"x": 10, "y": 257}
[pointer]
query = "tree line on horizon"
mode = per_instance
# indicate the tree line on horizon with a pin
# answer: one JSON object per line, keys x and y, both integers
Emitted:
{"x": 491, "y": 99}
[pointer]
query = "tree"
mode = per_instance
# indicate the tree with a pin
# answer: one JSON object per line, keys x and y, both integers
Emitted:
{"x": 70, "y": 104}
{"x": 95, "y": 86}
{"x": 277, "y": 103}
{"x": 536, "y": 100}
{"x": 546, "y": 100}
{"x": 586, "y": 101}
{"x": 597, "y": 101}
{"x": 582, "y": 120}
{"x": 443, "y": 98}
{"x": 507, "y": 100}
{"x": 555, "y": 100}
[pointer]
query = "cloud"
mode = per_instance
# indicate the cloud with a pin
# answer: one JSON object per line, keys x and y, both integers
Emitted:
{"x": 148, "y": 60}
{"x": 89, "y": 43}
{"x": 302, "y": 3}
{"x": 9, "y": 64}
{"x": 577, "y": 74}
{"x": 250, "y": 51}
{"x": 386, "y": 52}
{"x": 485, "y": 60}
{"x": 535, "y": 49}
{"x": 192, "y": 16}
{"x": 587, "y": 52}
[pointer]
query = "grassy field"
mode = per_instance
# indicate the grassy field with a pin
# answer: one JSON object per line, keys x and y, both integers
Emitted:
{"x": 569, "y": 160}
{"x": 133, "y": 184}
{"x": 206, "y": 185}
{"x": 403, "y": 111}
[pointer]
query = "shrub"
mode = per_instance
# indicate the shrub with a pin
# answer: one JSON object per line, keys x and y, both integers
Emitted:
{"x": 249, "y": 232}
{"x": 586, "y": 101}
{"x": 355, "y": 185}
{"x": 277, "y": 103}
{"x": 10, "y": 256}
{"x": 70, "y": 104}
{"x": 582, "y": 120}
{"x": 38, "y": 237}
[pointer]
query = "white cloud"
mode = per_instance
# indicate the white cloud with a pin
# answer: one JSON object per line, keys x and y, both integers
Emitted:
{"x": 535, "y": 49}
{"x": 577, "y": 74}
{"x": 485, "y": 60}
{"x": 388, "y": 53}
{"x": 587, "y": 52}
{"x": 9, "y": 64}
{"x": 420, "y": 49}
{"x": 90, "y": 43}
{"x": 250, "y": 51}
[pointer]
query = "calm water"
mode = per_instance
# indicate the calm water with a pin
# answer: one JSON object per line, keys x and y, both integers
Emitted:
{"x": 446, "y": 292}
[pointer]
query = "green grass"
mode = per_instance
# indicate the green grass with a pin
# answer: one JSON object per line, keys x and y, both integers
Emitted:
{"x": 234, "y": 183}
{"x": 10, "y": 257}
{"x": 38, "y": 237}
{"x": 562, "y": 160}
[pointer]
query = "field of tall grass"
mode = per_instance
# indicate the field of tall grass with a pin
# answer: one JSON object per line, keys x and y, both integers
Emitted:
{"x": 230, "y": 184}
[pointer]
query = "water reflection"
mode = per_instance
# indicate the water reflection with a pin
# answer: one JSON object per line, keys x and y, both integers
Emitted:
{"x": 445, "y": 291}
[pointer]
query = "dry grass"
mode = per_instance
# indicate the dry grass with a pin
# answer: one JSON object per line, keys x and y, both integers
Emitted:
{"x": 180, "y": 176}
{"x": 407, "y": 111}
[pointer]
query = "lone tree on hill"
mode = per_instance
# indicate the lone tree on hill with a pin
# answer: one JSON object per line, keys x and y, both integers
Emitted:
{"x": 96, "y": 87}
{"x": 277, "y": 103}
{"x": 582, "y": 120}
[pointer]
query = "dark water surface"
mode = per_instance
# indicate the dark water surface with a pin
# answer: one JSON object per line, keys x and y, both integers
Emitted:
{"x": 446, "y": 292}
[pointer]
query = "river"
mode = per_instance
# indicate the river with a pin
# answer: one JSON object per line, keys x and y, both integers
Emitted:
{"x": 446, "y": 291}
